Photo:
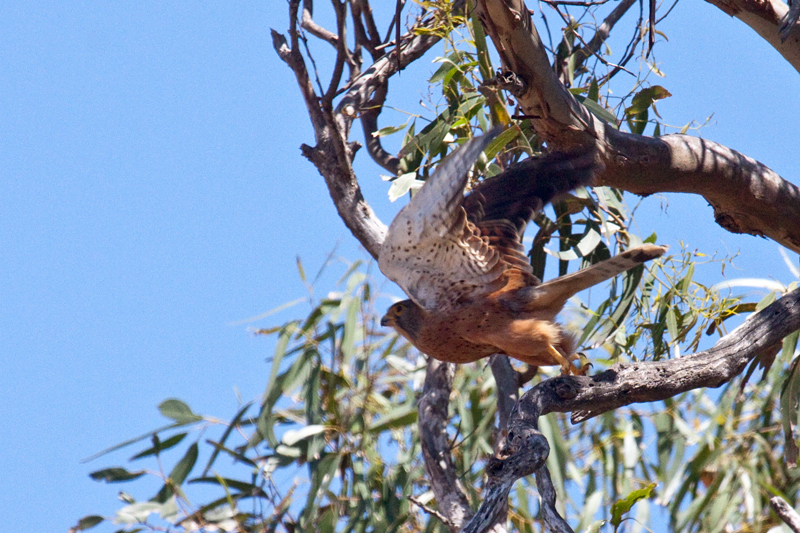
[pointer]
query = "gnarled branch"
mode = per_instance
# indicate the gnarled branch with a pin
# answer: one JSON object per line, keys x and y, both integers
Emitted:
{"x": 433, "y": 419}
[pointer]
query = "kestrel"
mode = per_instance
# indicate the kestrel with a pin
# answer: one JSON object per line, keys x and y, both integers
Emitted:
{"x": 461, "y": 261}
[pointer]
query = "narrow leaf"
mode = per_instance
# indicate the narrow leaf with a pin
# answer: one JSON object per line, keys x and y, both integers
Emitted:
{"x": 116, "y": 474}
{"x": 87, "y": 522}
{"x": 159, "y": 445}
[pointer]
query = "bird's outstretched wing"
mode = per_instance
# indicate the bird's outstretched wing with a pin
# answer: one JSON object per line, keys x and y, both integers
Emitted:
{"x": 430, "y": 250}
{"x": 443, "y": 248}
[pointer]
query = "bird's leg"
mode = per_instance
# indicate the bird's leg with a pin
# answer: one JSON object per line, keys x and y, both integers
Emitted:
{"x": 566, "y": 362}
{"x": 566, "y": 366}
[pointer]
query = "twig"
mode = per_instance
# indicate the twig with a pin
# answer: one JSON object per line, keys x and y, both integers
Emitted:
{"x": 431, "y": 511}
{"x": 586, "y": 46}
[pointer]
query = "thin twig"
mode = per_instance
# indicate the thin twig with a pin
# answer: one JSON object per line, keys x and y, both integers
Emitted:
{"x": 431, "y": 511}
{"x": 588, "y": 48}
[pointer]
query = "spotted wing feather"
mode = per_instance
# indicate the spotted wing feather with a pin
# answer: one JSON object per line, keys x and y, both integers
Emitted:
{"x": 431, "y": 250}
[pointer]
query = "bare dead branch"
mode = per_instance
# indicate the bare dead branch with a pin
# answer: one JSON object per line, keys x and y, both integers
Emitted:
{"x": 604, "y": 30}
{"x": 587, "y": 48}
{"x": 787, "y": 514}
{"x": 369, "y": 124}
{"x": 770, "y": 19}
{"x": 547, "y": 491}
{"x": 318, "y": 31}
{"x": 341, "y": 54}
{"x": 332, "y": 155}
{"x": 506, "y": 379}
{"x": 370, "y": 38}
{"x": 431, "y": 511}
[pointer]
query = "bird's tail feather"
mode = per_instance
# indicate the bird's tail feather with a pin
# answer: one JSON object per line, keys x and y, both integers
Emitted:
{"x": 559, "y": 290}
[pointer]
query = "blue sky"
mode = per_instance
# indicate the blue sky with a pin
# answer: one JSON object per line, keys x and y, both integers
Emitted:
{"x": 153, "y": 196}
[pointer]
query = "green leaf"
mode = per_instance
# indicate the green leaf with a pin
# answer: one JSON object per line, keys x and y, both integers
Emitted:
{"x": 404, "y": 183}
{"x": 390, "y": 130}
{"x": 178, "y": 411}
{"x": 765, "y": 301}
{"x": 159, "y": 445}
{"x": 403, "y": 416}
{"x": 597, "y": 110}
{"x": 219, "y": 446}
{"x": 179, "y": 473}
{"x": 87, "y": 522}
{"x": 293, "y": 436}
{"x": 620, "y": 507}
{"x": 500, "y": 142}
{"x": 185, "y": 465}
{"x": 241, "y": 486}
{"x": 128, "y": 442}
{"x": 672, "y": 324}
{"x": 645, "y": 98}
{"x": 594, "y": 91}
{"x": 790, "y": 399}
{"x": 136, "y": 512}
{"x": 115, "y": 474}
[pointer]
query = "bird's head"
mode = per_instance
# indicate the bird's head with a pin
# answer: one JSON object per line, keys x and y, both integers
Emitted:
{"x": 404, "y": 316}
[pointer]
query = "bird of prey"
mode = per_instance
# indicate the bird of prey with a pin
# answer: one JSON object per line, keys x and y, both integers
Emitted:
{"x": 472, "y": 292}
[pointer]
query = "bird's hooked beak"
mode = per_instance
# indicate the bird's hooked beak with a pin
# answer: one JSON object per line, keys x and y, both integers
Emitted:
{"x": 387, "y": 321}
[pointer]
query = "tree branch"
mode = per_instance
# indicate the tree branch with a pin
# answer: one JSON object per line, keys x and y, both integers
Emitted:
{"x": 433, "y": 420}
{"x": 604, "y": 30}
{"x": 746, "y": 195}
